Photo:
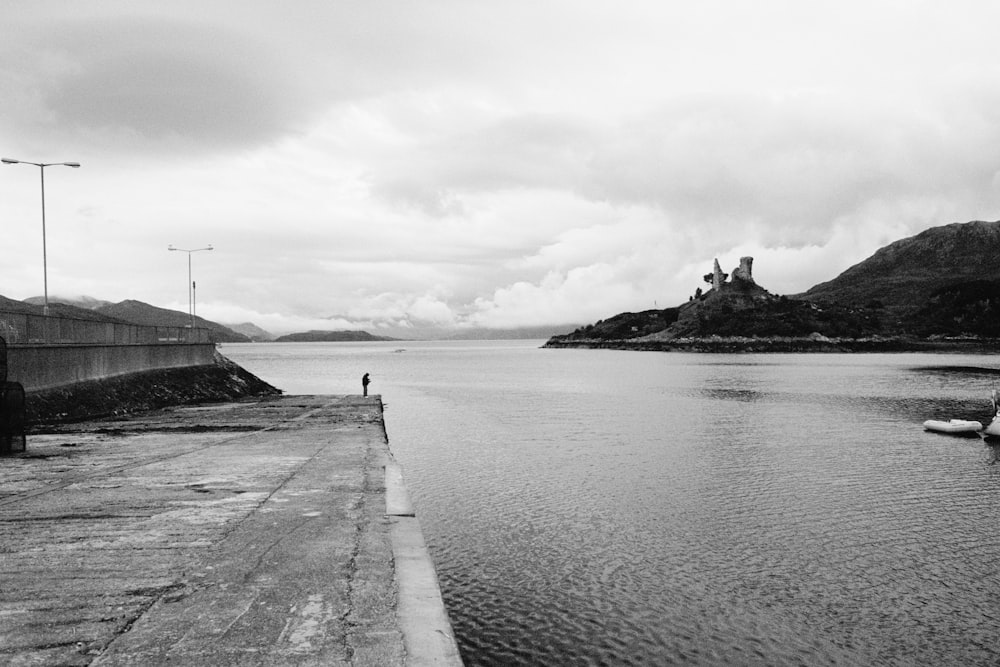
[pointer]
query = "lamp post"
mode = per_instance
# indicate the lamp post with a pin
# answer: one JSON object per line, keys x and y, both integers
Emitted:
{"x": 190, "y": 282}
{"x": 45, "y": 259}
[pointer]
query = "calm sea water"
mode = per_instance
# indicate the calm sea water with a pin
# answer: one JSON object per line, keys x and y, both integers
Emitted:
{"x": 597, "y": 507}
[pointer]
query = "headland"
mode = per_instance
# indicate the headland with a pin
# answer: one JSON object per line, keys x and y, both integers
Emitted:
{"x": 788, "y": 344}
{"x": 926, "y": 294}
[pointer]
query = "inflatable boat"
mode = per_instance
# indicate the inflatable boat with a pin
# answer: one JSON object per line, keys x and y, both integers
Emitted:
{"x": 956, "y": 426}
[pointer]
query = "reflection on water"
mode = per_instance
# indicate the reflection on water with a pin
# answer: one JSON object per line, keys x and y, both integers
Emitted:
{"x": 602, "y": 507}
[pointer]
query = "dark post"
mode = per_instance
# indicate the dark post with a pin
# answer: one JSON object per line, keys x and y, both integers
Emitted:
{"x": 12, "y": 438}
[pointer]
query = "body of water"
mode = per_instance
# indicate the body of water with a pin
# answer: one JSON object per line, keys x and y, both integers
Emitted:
{"x": 600, "y": 507}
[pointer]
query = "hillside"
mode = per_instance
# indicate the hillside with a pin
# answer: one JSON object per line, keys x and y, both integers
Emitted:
{"x": 624, "y": 325}
{"x": 903, "y": 276}
{"x": 137, "y": 312}
{"x": 56, "y": 307}
{"x": 85, "y": 302}
{"x": 971, "y": 308}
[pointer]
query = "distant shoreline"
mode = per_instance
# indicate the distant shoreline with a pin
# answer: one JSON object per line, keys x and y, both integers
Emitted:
{"x": 737, "y": 344}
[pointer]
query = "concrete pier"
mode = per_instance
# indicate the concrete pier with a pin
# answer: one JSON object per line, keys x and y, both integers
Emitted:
{"x": 275, "y": 531}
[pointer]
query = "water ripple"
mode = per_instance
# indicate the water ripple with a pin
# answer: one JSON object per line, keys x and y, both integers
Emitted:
{"x": 612, "y": 508}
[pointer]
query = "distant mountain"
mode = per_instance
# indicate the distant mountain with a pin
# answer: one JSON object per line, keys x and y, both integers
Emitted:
{"x": 330, "y": 337}
{"x": 137, "y": 312}
{"x": 252, "y": 331}
{"x": 520, "y": 333}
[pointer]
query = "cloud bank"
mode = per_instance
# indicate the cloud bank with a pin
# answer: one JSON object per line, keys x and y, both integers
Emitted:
{"x": 451, "y": 164}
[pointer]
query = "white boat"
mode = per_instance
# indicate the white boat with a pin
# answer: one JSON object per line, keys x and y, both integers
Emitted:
{"x": 955, "y": 426}
{"x": 992, "y": 429}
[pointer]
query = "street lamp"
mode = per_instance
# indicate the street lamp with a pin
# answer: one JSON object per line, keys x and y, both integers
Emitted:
{"x": 45, "y": 259}
{"x": 190, "y": 282}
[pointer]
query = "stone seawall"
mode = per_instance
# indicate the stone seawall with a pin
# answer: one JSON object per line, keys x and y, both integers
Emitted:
{"x": 39, "y": 367}
{"x": 219, "y": 380}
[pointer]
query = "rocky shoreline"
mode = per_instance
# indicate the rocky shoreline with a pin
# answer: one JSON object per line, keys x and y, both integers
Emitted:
{"x": 222, "y": 381}
{"x": 780, "y": 344}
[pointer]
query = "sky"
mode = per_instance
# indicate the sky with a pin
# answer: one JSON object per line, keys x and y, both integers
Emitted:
{"x": 430, "y": 165}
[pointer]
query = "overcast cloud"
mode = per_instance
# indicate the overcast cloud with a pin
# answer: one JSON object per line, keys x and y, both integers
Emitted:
{"x": 446, "y": 163}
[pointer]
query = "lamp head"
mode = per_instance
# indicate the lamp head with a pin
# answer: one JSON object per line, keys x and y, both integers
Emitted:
{"x": 75, "y": 165}
{"x": 7, "y": 160}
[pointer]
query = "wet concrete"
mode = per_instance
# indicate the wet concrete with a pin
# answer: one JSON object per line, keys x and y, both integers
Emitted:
{"x": 250, "y": 533}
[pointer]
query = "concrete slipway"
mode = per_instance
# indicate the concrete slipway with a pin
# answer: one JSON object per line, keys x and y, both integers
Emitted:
{"x": 270, "y": 532}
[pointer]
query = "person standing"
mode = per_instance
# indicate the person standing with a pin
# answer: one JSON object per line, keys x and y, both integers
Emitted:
{"x": 364, "y": 383}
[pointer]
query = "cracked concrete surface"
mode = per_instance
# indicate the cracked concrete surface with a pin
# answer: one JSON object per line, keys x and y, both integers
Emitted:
{"x": 251, "y": 533}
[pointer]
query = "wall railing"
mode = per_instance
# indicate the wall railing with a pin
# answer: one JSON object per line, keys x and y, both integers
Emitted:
{"x": 31, "y": 329}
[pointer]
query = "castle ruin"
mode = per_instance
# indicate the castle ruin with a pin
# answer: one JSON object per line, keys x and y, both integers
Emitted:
{"x": 743, "y": 273}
